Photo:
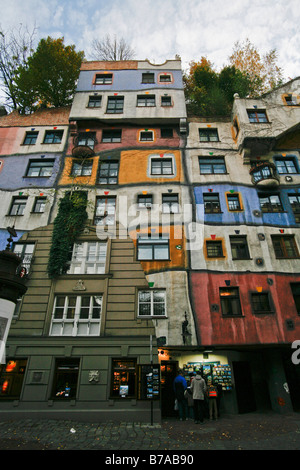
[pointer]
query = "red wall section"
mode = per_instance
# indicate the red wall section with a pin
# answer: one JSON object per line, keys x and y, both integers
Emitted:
{"x": 250, "y": 328}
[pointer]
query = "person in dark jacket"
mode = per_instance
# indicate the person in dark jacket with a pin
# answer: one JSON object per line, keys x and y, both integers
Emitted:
{"x": 179, "y": 386}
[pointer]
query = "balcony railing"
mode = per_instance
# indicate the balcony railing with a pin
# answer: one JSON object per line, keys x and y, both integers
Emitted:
{"x": 264, "y": 174}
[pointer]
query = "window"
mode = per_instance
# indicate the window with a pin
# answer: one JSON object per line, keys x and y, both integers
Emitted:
{"x": 53, "y": 137}
{"x": 124, "y": 378}
{"x": 212, "y": 166}
{"x": 285, "y": 246}
{"x": 18, "y": 206}
{"x": 65, "y": 378}
{"x": 25, "y": 252}
{"x": 256, "y": 115}
{"x": 111, "y": 135}
{"x": 211, "y": 203}
{"x": 165, "y": 78}
{"x": 166, "y": 133}
{"x": 239, "y": 247}
{"x": 40, "y": 168}
{"x": 265, "y": 172}
{"x": 144, "y": 201}
{"x": 82, "y": 168}
{"x": 95, "y": 101}
{"x": 87, "y": 139}
{"x": 30, "y": 138}
{"x": 230, "y": 301}
{"x": 286, "y": 166}
{"x": 270, "y": 203}
{"x": 208, "y": 135}
{"x": 146, "y": 136}
{"x": 295, "y": 204}
{"x": 103, "y": 79}
{"x": 161, "y": 166}
{"x": 260, "y": 303}
{"x": 291, "y": 100}
{"x": 152, "y": 303}
{"x": 88, "y": 258}
{"x": 39, "y": 205}
{"x": 108, "y": 172}
{"x": 76, "y": 315}
{"x": 148, "y": 77}
{"x": 105, "y": 211}
{"x": 115, "y": 104}
{"x": 170, "y": 204}
{"x": 214, "y": 249}
{"x": 233, "y": 202}
{"x": 296, "y": 294}
{"x": 145, "y": 100}
{"x": 11, "y": 378}
{"x": 166, "y": 101}
{"x": 151, "y": 249}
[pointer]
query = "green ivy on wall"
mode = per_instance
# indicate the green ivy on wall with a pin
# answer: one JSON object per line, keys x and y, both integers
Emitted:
{"x": 68, "y": 225}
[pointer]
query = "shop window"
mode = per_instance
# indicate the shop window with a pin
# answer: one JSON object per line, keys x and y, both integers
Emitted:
{"x": 270, "y": 203}
{"x": 296, "y": 295}
{"x": 209, "y": 135}
{"x": 239, "y": 247}
{"x": 108, "y": 172}
{"x": 170, "y": 203}
{"x": 214, "y": 249}
{"x": 152, "y": 303}
{"x": 257, "y": 115}
{"x": 147, "y": 77}
{"x": 105, "y": 210}
{"x": 103, "y": 78}
{"x": 88, "y": 258}
{"x": 111, "y": 135}
{"x": 285, "y": 246}
{"x": 25, "y": 252}
{"x": 212, "y": 165}
{"x": 18, "y": 206}
{"x": 211, "y": 203}
{"x": 39, "y": 205}
{"x": 151, "y": 249}
{"x": 65, "y": 379}
{"x": 94, "y": 101}
{"x": 115, "y": 104}
{"x": 230, "y": 301}
{"x": 11, "y": 378}
{"x": 295, "y": 204}
{"x": 261, "y": 302}
{"x": 76, "y": 315}
{"x": 53, "y": 137}
{"x": 82, "y": 168}
{"x": 124, "y": 378}
{"x": 40, "y": 168}
{"x": 30, "y": 138}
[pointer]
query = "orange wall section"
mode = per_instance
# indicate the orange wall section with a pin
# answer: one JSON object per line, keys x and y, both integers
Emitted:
{"x": 134, "y": 166}
{"x": 66, "y": 177}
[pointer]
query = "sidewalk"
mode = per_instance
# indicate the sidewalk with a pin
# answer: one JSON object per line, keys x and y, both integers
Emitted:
{"x": 253, "y": 431}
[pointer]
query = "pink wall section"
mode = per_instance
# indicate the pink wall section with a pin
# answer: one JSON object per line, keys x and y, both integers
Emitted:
{"x": 10, "y": 140}
{"x": 251, "y": 328}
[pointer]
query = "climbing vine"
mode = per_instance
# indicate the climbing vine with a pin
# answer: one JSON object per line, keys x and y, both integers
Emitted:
{"x": 68, "y": 225}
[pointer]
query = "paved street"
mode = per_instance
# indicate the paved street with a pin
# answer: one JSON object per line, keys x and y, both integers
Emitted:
{"x": 252, "y": 431}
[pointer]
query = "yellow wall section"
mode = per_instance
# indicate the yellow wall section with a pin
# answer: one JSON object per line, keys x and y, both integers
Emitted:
{"x": 134, "y": 166}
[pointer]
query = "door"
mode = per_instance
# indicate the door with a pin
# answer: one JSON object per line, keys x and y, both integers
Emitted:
{"x": 168, "y": 374}
{"x": 244, "y": 387}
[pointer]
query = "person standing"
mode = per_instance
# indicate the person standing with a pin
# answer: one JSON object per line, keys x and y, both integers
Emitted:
{"x": 179, "y": 386}
{"x": 198, "y": 387}
{"x": 212, "y": 393}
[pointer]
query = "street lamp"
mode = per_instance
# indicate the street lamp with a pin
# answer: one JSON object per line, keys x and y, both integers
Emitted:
{"x": 12, "y": 287}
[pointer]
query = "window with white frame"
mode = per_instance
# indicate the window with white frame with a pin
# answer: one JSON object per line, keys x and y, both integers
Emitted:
{"x": 25, "y": 252}
{"x": 152, "y": 248}
{"x": 170, "y": 203}
{"x": 88, "y": 258}
{"x": 152, "y": 303}
{"x": 76, "y": 315}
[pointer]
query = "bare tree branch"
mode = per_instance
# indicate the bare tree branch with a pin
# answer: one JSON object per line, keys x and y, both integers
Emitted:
{"x": 111, "y": 48}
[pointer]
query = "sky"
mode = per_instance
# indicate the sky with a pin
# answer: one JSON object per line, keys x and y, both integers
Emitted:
{"x": 159, "y": 29}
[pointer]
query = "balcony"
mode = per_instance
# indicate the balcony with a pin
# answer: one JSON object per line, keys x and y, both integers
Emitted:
{"x": 264, "y": 175}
